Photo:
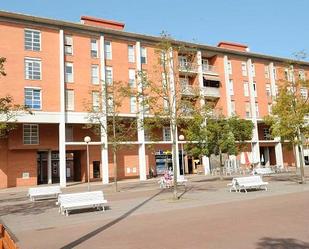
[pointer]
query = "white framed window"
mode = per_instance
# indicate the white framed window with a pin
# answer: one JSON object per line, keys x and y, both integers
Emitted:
{"x": 147, "y": 135}
{"x": 231, "y": 87}
{"x": 244, "y": 69}
{"x": 248, "y": 110}
{"x": 110, "y": 103}
{"x": 32, "y": 40}
{"x": 257, "y": 110}
{"x": 108, "y": 50}
{"x": 133, "y": 104}
{"x": 229, "y": 67}
{"x": 301, "y": 74}
{"x": 166, "y": 134}
{"x": 143, "y": 55}
{"x": 304, "y": 93}
{"x": 266, "y": 71}
{"x": 109, "y": 75}
{"x": 68, "y": 44}
{"x": 246, "y": 89}
{"x": 268, "y": 90}
{"x": 31, "y": 134}
{"x": 69, "y": 133}
{"x": 131, "y": 53}
{"x": 266, "y": 134}
{"x": 95, "y": 74}
{"x": 275, "y": 72}
{"x": 94, "y": 48}
{"x": 69, "y": 72}
{"x": 253, "y": 69}
{"x": 33, "y": 69}
{"x": 289, "y": 74}
{"x": 254, "y": 89}
{"x": 69, "y": 100}
{"x": 165, "y": 104}
{"x": 233, "y": 107}
{"x": 95, "y": 100}
{"x": 269, "y": 108}
{"x": 33, "y": 98}
{"x": 132, "y": 82}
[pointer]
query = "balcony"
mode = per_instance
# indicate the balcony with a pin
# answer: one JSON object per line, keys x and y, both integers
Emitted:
{"x": 187, "y": 90}
{"x": 209, "y": 69}
{"x": 210, "y": 92}
{"x": 188, "y": 67}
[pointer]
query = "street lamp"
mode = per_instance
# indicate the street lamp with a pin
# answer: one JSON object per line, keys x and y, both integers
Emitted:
{"x": 87, "y": 140}
{"x": 182, "y": 138}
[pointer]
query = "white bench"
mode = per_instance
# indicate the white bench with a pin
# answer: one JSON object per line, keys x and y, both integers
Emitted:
{"x": 248, "y": 182}
{"x": 44, "y": 192}
{"x": 169, "y": 183}
{"x": 263, "y": 171}
{"x": 92, "y": 199}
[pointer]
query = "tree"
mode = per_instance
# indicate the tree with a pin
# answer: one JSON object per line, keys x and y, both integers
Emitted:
{"x": 215, "y": 134}
{"x": 103, "y": 114}
{"x": 289, "y": 117}
{"x": 8, "y": 110}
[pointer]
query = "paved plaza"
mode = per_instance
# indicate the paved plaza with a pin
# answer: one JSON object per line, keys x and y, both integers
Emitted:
{"x": 141, "y": 215}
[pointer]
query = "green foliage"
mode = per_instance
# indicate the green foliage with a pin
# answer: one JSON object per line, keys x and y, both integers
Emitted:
{"x": 2, "y": 61}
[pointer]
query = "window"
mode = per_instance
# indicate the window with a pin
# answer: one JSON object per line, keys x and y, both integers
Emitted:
{"x": 268, "y": 90}
{"x": 69, "y": 72}
{"x": 110, "y": 103}
{"x": 289, "y": 74}
{"x": 32, "y": 40}
{"x": 165, "y": 104}
{"x": 253, "y": 70}
{"x": 257, "y": 110}
{"x": 109, "y": 75}
{"x": 147, "y": 135}
{"x": 304, "y": 93}
{"x": 246, "y": 89}
{"x": 95, "y": 74}
{"x": 33, "y": 69}
{"x": 301, "y": 74}
{"x": 131, "y": 53}
{"x": 133, "y": 104}
{"x": 229, "y": 67}
{"x": 68, "y": 44}
{"x": 166, "y": 134}
{"x": 132, "y": 78}
{"x": 31, "y": 134}
{"x": 275, "y": 72}
{"x": 248, "y": 110}
{"x": 33, "y": 98}
{"x": 231, "y": 87}
{"x": 266, "y": 71}
{"x": 233, "y": 110}
{"x": 266, "y": 134}
{"x": 244, "y": 69}
{"x": 94, "y": 48}
{"x": 108, "y": 50}
{"x": 143, "y": 55}
{"x": 254, "y": 89}
{"x": 69, "y": 97}
{"x": 95, "y": 100}
{"x": 69, "y": 133}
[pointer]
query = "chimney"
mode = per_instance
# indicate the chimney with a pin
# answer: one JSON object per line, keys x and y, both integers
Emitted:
{"x": 233, "y": 46}
{"x": 98, "y": 22}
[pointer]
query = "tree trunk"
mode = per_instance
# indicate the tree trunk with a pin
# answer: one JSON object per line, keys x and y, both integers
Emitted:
{"x": 221, "y": 168}
{"x": 301, "y": 159}
{"x": 174, "y": 151}
{"x": 115, "y": 169}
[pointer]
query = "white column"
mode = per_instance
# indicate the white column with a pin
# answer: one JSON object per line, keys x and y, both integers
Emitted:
{"x": 206, "y": 165}
{"x": 104, "y": 141}
{"x": 255, "y": 138}
{"x": 200, "y": 76}
{"x": 297, "y": 161}
{"x": 140, "y": 118}
{"x": 49, "y": 168}
{"x": 272, "y": 80}
{"x": 62, "y": 156}
{"x": 227, "y": 86}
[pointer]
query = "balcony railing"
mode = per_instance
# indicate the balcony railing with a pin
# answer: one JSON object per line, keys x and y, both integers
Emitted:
{"x": 188, "y": 67}
{"x": 210, "y": 69}
{"x": 208, "y": 91}
{"x": 187, "y": 90}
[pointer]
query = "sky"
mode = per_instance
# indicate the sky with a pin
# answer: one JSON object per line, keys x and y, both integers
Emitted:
{"x": 273, "y": 27}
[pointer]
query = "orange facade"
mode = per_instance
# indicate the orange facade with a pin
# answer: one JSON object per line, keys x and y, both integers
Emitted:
{"x": 38, "y": 160}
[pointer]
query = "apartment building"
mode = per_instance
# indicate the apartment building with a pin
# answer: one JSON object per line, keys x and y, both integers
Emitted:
{"x": 55, "y": 67}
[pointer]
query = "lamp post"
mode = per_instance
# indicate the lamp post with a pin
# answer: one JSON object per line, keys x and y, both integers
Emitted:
{"x": 182, "y": 138}
{"x": 87, "y": 140}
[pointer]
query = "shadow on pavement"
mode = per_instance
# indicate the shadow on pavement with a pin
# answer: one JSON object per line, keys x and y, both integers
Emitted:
{"x": 281, "y": 243}
{"x": 108, "y": 225}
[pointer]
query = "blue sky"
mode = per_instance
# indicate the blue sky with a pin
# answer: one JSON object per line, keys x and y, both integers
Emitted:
{"x": 275, "y": 27}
